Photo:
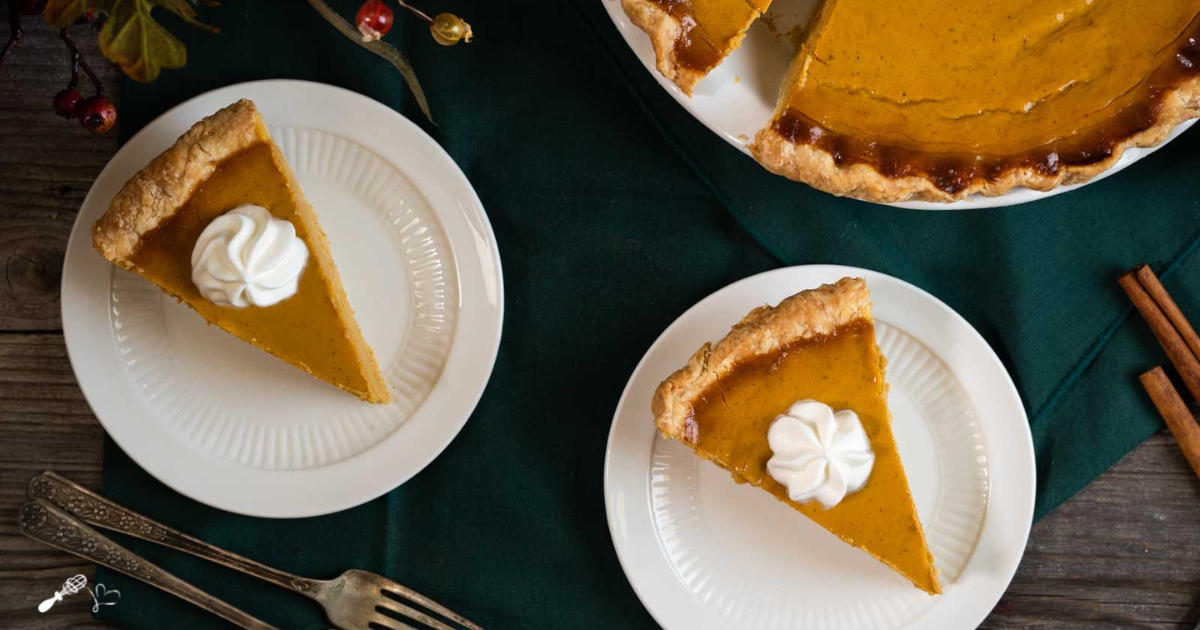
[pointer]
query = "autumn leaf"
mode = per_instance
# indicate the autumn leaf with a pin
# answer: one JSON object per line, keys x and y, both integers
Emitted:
{"x": 184, "y": 10}
{"x": 131, "y": 37}
{"x": 137, "y": 43}
{"x": 63, "y": 13}
{"x": 383, "y": 49}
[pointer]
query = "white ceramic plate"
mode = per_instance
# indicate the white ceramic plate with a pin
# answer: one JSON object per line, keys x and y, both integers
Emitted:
{"x": 230, "y": 426}
{"x": 738, "y": 98}
{"x": 703, "y": 552}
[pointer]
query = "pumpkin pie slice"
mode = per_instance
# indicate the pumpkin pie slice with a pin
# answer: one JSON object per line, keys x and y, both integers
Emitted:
{"x": 936, "y": 100}
{"x": 793, "y": 401}
{"x": 219, "y": 222}
{"x": 691, "y": 37}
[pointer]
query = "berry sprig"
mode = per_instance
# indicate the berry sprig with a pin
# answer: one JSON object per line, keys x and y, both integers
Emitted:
{"x": 375, "y": 19}
{"x": 127, "y": 34}
{"x": 96, "y": 113}
{"x": 16, "y": 34}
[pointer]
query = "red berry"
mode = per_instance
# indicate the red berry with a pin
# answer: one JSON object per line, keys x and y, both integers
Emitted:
{"x": 374, "y": 19}
{"x": 32, "y": 7}
{"x": 66, "y": 103}
{"x": 97, "y": 114}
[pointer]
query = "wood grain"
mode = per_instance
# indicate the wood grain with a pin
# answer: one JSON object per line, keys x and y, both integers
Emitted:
{"x": 1124, "y": 553}
{"x": 47, "y": 165}
{"x": 1121, "y": 554}
{"x": 44, "y": 424}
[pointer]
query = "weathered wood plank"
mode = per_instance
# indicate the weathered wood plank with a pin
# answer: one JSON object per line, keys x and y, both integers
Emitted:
{"x": 45, "y": 423}
{"x": 47, "y": 165}
{"x": 1124, "y": 553}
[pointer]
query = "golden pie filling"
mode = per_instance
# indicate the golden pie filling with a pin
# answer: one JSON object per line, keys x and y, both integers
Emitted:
{"x": 306, "y": 324}
{"x": 939, "y": 99}
{"x": 959, "y": 91}
{"x": 731, "y": 418}
{"x": 710, "y": 29}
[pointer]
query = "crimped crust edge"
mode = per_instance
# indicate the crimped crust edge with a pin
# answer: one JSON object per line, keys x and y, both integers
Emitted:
{"x": 805, "y": 315}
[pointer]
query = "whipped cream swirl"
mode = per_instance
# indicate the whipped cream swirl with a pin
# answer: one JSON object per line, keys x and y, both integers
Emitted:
{"x": 246, "y": 257}
{"x": 818, "y": 454}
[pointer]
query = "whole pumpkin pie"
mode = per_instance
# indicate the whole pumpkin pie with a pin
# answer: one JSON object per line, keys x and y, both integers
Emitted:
{"x": 793, "y": 401}
{"x": 940, "y": 99}
{"x": 219, "y": 222}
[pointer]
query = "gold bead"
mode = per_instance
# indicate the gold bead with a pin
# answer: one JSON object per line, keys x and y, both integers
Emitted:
{"x": 448, "y": 29}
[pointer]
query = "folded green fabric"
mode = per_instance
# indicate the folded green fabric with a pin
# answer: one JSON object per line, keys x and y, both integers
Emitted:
{"x": 615, "y": 211}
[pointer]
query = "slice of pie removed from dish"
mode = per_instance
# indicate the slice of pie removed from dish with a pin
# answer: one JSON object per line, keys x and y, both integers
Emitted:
{"x": 691, "y": 37}
{"x": 793, "y": 401}
{"x": 263, "y": 270}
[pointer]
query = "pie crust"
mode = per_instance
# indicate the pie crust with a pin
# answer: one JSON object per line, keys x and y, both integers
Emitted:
{"x": 161, "y": 190}
{"x": 806, "y": 315}
{"x": 158, "y": 191}
{"x": 664, "y": 30}
{"x": 856, "y": 162}
{"x": 818, "y": 344}
{"x": 819, "y": 169}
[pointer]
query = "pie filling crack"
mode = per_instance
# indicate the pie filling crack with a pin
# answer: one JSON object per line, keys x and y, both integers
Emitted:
{"x": 940, "y": 99}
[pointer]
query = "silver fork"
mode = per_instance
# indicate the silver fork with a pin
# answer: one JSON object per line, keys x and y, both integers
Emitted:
{"x": 353, "y": 601}
{"x": 46, "y": 523}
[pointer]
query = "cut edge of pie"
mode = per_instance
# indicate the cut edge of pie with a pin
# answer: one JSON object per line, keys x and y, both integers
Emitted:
{"x": 666, "y": 31}
{"x": 810, "y": 314}
{"x": 156, "y": 193}
{"x": 820, "y": 169}
{"x": 806, "y": 315}
{"x": 868, "y": 166}
{"x": 804, "y": 150}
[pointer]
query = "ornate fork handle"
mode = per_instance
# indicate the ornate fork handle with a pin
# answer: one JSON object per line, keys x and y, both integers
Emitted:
{"x": 45, "y": 523}
{"x": 101, "y": 512}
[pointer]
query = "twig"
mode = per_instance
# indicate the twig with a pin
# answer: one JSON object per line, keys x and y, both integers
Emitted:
{"x": 415, "y": 11}
{"x": 16, "y": 36}
{"x": 77, "y": 61}
{"x": 387, "y": 51}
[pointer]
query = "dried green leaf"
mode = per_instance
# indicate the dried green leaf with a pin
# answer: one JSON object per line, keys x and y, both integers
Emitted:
{"x": 186, "y": 12}
{"x": 387, "y": 51}
{"x": 139, "y": 44}
{"x": 63, "y": 13}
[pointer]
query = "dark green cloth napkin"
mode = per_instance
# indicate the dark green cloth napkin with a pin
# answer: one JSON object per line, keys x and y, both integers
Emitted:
{"x": 615, "y": 211}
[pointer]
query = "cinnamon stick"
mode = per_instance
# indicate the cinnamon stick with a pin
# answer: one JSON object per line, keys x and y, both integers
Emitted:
{"x": 1156, "y": 290}
{"x": 1175, "y": 413}
{"x": 1169, "y": 338}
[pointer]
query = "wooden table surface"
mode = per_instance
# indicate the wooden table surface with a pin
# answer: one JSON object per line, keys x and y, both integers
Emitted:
{"x": 1124, "y": 553}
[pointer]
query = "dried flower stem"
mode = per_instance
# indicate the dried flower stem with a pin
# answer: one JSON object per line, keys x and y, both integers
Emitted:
{"x": 387, "y": 51}
{"x": 77, "y": 62}
{"x": 415, "y": 11}
{"x": 16, "y": 35}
